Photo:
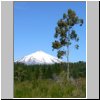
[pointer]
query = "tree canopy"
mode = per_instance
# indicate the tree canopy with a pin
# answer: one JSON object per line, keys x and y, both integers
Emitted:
{"x": 64, "y": 32}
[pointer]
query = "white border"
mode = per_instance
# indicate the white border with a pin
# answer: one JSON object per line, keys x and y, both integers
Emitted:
{"x": 0, "y": 51}
{"x": 86, "y": 49}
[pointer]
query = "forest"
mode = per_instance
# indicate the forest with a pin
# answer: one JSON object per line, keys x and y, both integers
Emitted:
{"x": 50, "y": 81}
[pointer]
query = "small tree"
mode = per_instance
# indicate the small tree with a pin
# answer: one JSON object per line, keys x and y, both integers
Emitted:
{"x": 64, "y": 34}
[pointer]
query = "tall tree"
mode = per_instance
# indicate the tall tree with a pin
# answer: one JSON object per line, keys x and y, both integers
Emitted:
{"x": 65, "y": 33}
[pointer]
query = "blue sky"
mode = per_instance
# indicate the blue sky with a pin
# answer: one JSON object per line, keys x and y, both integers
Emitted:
{"x": 34, "y": 28}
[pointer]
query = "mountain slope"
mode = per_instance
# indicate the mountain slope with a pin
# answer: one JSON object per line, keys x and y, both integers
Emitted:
{"x": 39, "y": 57}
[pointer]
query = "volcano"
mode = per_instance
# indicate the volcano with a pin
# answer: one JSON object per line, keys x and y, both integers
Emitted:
{"x": 39, "y": 57}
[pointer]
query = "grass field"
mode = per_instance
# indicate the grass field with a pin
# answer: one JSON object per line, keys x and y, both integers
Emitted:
{"x": 50, "y": 81}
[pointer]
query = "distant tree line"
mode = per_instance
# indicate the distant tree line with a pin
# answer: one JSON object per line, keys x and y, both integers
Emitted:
{"x": 24, "y": 72}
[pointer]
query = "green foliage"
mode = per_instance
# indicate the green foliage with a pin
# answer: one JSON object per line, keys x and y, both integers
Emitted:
{"x": 50, "y": 89}
{"x": 31, "y": 81}
{"x": 24, "y": 72}
{"x": 81, "y": 22}
{"x": 73, "y": 35}
{"x": 56, "y": 44}
{"x": 64, "y": 31}
{"x": 76, "y": 46}
{"x": 64, "y": 16}
{"x": 71, "y": 13}
{"x": 60, "y": 53}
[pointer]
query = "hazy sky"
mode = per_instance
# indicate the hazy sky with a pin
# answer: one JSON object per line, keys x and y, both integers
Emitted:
{"x": 34, "y": 27}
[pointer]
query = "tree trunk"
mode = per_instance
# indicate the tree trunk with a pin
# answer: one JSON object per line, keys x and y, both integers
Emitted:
{"x": 68, "y": 73}
{"x": 68, "y": 63}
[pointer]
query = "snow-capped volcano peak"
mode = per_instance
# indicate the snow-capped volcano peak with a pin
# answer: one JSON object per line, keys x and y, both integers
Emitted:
{"x": 39, "y": 57}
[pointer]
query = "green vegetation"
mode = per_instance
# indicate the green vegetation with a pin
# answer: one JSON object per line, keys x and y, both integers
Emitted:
{"x": 49, "y": 81}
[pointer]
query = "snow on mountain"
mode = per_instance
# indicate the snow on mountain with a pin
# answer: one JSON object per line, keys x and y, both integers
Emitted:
{"x": 39, "y": 57}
